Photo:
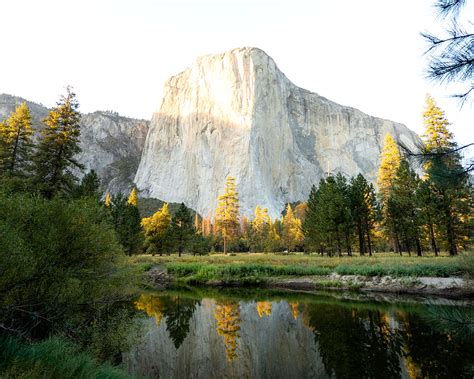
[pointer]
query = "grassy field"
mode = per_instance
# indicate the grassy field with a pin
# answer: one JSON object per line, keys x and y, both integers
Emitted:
{"x": 252, "y": 267}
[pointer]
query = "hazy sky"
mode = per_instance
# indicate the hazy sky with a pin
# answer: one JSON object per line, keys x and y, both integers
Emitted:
{"x": 117, "y": 54}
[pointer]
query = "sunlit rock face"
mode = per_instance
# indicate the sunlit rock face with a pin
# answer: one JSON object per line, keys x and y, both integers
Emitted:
{"x": 111, "y": 144}
{"x": 277, "y": 345}
{"x": 237, "y": 114}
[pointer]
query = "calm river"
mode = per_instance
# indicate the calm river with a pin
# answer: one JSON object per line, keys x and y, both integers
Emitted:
{"x": 198, "y": 333}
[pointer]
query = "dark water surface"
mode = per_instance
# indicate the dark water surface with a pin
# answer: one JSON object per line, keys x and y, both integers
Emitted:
{"x": 197, "y": 333}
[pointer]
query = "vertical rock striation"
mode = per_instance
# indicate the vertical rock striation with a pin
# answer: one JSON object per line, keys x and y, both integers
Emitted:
{"x": 237, "y": 114}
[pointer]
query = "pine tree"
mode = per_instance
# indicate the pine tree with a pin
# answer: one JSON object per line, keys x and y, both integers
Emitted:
{"x": 16, "y": 145}
{"x": 227, "y": 212}
{"x": 363, "y": 206}
{"x": 59, "y": 144}
{"x": 127, "y": 223}
{"x": 404, "y": 208}
{"x": 448, "y": 180}
{"x": 89, "y": 187}
{"x": 182, "y": 228}
{"x": 133, "y": 197}
{"x": 429, "y": 213}
{"x": 390, "y": 159}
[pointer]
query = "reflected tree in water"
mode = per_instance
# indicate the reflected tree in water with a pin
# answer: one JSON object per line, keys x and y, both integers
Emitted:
{"x": 433, "y": 353}
{"x": 152, "y": 306}
{"x": 227, "y": 315}
{"x": 294, "y": 307}
{"x": 354, "y": 343}
{"x": 178, "y": 312}
{"x": 264, "y": 308}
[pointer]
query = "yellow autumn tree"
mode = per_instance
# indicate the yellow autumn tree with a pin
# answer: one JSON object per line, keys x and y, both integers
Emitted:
{"x": 389, "y": 162}
{"x": 260, "y": 229}
{"x": 156, "y": 228}
{"x": 16, "y": 142}
{"x": 108, "y": 200}
{"x": 390, "y": 159}
{"x": 292, "y": 232}
{"x": 264, "y": 308}
{"x": 300, "y": 210}
{"x": 227, "y": 212}
{"x": 133, "y": 197}
{"x": 437, "y": 135}
{"x": 273, "y": 241}
{"x": 227, "y": 316}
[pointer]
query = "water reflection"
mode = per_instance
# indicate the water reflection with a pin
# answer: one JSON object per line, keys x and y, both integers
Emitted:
{"x": 227, "y": 315}
{"x": 279, "y": 335}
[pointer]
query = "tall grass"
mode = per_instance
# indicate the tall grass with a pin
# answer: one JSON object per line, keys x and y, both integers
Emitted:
{"x": 50, "y": 359}
{"x": 204, "y": 272}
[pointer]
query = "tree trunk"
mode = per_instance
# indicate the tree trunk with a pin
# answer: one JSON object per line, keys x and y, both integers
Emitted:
{"x": 361, "y": 239}
{"x": 418, "y": 247}
{"x": 369, "y": 242}
{"x": 434, "y": 246}
{"x": 450, "y": 231}
{"x": 225, "y": 244}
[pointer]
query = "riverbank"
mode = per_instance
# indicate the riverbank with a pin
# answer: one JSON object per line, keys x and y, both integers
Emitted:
{"x": 449, "y": 277}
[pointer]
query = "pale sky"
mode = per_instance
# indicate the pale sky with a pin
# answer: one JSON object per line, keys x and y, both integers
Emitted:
{"x": 117, "y": 54}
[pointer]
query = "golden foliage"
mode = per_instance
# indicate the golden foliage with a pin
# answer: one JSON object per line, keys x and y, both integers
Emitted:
{"x": 264, "y": 308}
{"x": 227, "y": 316}
{"x": 152, "y": 306}
{"x": 133, "y": 197}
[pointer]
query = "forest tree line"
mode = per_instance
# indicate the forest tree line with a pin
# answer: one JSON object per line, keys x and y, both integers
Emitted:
{"x": 414, "y": 210}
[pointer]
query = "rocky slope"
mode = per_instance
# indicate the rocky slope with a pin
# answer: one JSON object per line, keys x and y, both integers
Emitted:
{"x": 237, "y": 114}
{"x": 111, "y": 144}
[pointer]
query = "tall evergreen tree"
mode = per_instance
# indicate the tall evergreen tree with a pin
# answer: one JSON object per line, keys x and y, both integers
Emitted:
{"x": 89, "y": 187}
{"x": 127, "y": 223}
{"x": 364, "y": 207}
{"x": 448, "y": 180}
{"x": 404, "y": 208}
{"x": 59, "y": 144}
{"x": 227, "y": 212}
{"x": 182, "y": 228}
{"x": 16, "y": 145}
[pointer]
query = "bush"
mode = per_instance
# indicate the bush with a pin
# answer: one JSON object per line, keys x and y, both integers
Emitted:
{"x": 51, "y": 358}
{"x": 60, "y": 264}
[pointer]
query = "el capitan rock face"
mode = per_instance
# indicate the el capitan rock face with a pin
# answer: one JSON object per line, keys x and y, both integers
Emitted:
{"x": 111, "y": 144}
{"x": 237, "y": 114}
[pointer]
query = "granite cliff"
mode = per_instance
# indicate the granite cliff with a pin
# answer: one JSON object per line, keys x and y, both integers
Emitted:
{"x": 237, "y": 114}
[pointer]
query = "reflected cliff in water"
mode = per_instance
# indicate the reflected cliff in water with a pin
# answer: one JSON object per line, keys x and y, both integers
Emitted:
{"x": 259, "y": 334}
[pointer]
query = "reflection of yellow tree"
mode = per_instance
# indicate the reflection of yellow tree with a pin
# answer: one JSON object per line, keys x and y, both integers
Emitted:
{"x": 264, "y": 308}
{"x": 413, "y": 370}
{"x": 294, "y": 309}
{"x": 152, "y": 306}
{"x": 227, "y": 316}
